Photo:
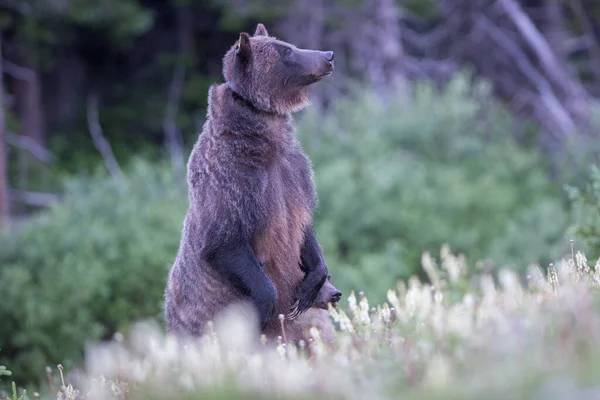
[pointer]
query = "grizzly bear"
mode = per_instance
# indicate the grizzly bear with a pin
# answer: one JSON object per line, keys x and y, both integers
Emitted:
{"x": 248, "y": 234}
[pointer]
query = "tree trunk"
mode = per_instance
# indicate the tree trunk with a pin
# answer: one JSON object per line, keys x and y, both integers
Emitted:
{"x": 63, "y": 91}
{"x": 576, "y": 100}
{"x": 4, "y": 199}
{"x": 390, "y": 73}
{"x": 28, "y": 105}
{"x": 173, "y": 136}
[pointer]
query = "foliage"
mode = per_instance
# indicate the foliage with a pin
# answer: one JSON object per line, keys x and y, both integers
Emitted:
{"x": 586, "y": 212}
{"x": 118, "y": 48}
{"x": 15, "y": 396}
{"x": 393, "y": 180}
{"x": 235, "y": 16}
{"x": 4, "y": 371}
{"x": 467, "y": 337}
{"x": 427, "y": 9}
{"x": 120, "y": 20}
{"x": 397, "y": 178}
{"x": 87, "y": 267}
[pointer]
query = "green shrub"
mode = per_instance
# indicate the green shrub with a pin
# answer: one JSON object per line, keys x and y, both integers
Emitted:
{"x": 4, "y": 371}
{"x": 586, "y": 213}
{"x": 86, "y": 268}
{"x": 395, "y": 179}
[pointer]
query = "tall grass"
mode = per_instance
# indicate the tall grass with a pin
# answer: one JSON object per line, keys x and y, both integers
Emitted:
{"x": 460, "y": 336}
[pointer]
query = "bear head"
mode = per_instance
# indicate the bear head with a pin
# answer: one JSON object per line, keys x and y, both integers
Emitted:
{"x": 273, "y": 75}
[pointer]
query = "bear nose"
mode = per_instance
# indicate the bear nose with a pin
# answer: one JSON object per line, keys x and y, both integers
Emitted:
{"x": 329, "y": 56}
{"x": 336, "y": 296}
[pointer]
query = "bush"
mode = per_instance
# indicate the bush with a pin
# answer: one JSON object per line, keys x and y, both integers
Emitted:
{"x": 395, "y": 179}
{"x": 586, "y": 213}
{"x": 86, "y": 268}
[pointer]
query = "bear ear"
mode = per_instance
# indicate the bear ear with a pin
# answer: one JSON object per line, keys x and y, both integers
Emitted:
{"x": 261, "y": 30}
{"x": 243, "y": 50}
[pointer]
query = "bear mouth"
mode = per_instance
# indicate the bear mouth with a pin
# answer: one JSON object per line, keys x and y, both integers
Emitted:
{"x": 324, "y": 306}
{"x": 324, "y": 75}
{"x": 327, "y": 70}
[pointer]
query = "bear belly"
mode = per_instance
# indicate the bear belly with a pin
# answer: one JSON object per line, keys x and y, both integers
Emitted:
{"x": 278, "y": 250}
{"x": 277, "y": 246}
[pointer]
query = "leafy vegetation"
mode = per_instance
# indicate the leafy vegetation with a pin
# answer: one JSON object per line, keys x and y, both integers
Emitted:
{"x": 396, "y": 178}
{"x": 465, "y": 336}
{"x": 98, "y": 260}
{"x": 586, "y": 211}
{"x": 4, "y": 371}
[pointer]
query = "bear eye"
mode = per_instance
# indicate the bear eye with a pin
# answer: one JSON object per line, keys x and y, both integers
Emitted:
{"x": 287, "y": 52}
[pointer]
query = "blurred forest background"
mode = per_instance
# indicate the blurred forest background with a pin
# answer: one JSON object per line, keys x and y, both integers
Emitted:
{"x": 472, "y": 123}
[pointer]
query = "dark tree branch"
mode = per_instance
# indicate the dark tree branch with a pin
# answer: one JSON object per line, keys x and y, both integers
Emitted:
{"x": 588, "y": 28}
{"x": 18, "y": 72}
{"x": 27, "y": 93}
{"x": 173, "y": 138}
{"x": 4, "y": 193}
{"x": 555, "y": 110}
{"x": 102, "y": 144}
{"x": 427, "y": 40}
{"x": 172, "y": 134}
{"x": 27, "y": 143}
{"x": 439, "y": 71}
{"x": 16, "y": 5}
{"x": 549, "y": 62}
{"x": 37, "y": 199}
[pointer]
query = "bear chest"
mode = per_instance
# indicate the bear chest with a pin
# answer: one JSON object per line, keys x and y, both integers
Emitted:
{"x": 289, "y": 199}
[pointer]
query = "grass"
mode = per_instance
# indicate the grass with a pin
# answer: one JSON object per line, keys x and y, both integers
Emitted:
{"x": 462, "y": 336}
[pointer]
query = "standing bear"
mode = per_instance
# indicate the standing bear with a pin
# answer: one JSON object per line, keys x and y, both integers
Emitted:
{"x": 248, "y": 234}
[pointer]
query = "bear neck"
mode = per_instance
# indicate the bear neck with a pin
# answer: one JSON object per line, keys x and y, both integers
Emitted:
{"x": 236, "y": 94}
{"x": 263, "y": 104}
{"x": 231, "y": 113}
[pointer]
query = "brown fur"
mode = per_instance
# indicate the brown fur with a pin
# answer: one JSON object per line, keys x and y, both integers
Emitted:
{"x": 249, "y": 182}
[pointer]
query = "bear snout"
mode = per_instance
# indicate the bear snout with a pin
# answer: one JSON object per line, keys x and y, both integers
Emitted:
{"x": 326, "y": 67}
{"x": 335, "y": 297}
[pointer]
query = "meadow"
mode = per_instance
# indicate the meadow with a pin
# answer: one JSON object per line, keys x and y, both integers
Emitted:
{"x": 463, "y": 335}
{"x": 399, "y": 185}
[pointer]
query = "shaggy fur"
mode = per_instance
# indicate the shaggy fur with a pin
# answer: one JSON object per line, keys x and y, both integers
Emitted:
{"x": 248, "y": 232}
